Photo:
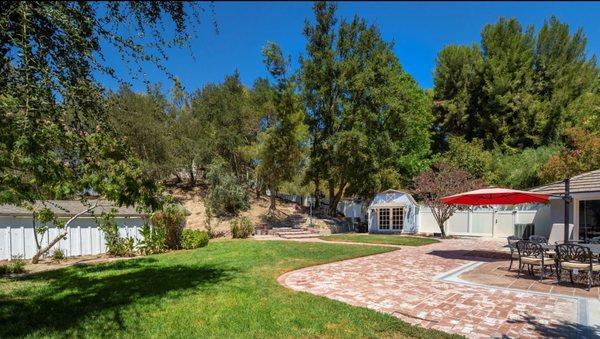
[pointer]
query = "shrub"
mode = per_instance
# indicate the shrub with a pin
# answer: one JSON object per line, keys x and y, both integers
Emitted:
{"x": 226, "y": 196}
{"x": 58, "y": 255}
{"x": 17, "y": 265}
{"x": 172, "y": 219}
{"x": 241, "y": 228}
{"x": 115, "y": 244}
{"x": 154, "y": 240}
{"x": 191, "y": 239}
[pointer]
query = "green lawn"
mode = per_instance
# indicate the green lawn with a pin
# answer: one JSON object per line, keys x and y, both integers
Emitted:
{"x": 227, "y": 289}
{"x": 391, "y": 239}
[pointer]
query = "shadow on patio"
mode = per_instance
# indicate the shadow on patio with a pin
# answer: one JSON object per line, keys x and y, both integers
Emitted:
{"x": 563, "y": 329}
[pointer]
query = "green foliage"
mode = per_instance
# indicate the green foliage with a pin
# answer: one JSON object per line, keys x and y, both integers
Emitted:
{"x": 226, "y": 196}
{"x": 241, "y": 228}
{"x": 142, "y": 120}
{"x": 191, "y": 239}
{"x": 115, "y": 244}
{"x": 58, "y": 255}
{"x": 171, "y": 218}
{"x": 470, "y": 157}
{"x": 367, "y": 117}
{"x": 281, "y": 145}
{"x": 154, "y": 240}
{"x": 520, "y": 170}
{"x": 15, "y": 266}
{"x": 518, "y": 89}
{"x": 580, "y": 154}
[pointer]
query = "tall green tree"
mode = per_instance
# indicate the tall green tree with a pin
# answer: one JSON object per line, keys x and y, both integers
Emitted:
{"x": 321, "y": 90}
{"x": 517, "y": 89}
{"x": 142, "y": 120}
{"x": 282, "y": 144}
{"x": 369, "y": 121}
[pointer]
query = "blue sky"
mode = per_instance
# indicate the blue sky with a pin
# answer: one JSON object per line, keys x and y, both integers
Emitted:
{"x": 419, "y": 30}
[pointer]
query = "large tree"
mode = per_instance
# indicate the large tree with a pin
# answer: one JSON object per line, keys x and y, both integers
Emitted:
{"x": 369, "y": 121}
{"x": 281, "y": 148}
{"x": 55, "y": 141}
{"x": 517, "y": 89}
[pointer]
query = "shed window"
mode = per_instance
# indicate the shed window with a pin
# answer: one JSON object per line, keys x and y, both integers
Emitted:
{"x": 384, "y": 219}
{"x": 397, "y": 218}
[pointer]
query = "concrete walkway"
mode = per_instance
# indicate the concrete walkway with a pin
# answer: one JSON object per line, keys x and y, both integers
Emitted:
{"x": 416, "y": 285}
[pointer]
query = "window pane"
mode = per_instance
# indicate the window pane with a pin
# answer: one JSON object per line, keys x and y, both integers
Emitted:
{"x": 384, "y": 219}
{"x": 397, "y": 218}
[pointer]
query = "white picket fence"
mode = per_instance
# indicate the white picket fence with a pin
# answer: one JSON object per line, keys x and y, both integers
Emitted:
{"x": 83, "y": 236}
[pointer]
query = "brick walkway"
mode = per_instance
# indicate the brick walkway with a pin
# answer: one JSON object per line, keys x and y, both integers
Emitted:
{"x": 403, "y": 283}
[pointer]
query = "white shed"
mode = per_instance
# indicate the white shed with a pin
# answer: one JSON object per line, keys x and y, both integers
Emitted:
{"x": 393, "y": 211}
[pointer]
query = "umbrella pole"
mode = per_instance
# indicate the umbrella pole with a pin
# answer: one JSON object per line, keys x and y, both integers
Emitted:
{"x": 567, "y": 199}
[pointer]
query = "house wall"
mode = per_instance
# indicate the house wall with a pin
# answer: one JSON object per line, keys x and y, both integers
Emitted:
{"x": 83, "y": 237}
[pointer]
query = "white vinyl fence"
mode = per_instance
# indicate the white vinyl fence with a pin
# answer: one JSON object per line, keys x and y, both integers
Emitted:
{"x": 488, "y": 222}
{"x": 83, "y": 237}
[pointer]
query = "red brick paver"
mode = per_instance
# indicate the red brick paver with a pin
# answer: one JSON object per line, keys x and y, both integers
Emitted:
{"x": 403, "y": 283}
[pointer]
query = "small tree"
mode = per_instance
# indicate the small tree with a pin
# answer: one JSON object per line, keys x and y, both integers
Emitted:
{"x": 439, "y": 181}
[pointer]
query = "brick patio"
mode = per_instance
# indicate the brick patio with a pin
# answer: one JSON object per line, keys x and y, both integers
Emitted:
{"x": 406, "y": 283}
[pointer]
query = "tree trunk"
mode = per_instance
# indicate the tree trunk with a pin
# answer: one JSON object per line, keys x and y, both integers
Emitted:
{"x": 35, "y": 235}
{"x": 40, "y": 252}
{"x": 317, "y": 197}
{"x": 272, "y": 205}
{"x": 192, "y": 178}
{"x": 336, "y": 199}
{"x": 331, "y": 187}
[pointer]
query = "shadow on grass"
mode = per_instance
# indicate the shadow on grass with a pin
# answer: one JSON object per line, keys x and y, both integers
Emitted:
{"x": 69, "y": 296}
{"x": 474, "y": 255}
{"x": 564, "y": 329}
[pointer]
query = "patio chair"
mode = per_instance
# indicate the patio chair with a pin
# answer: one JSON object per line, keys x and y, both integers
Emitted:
{"x": 576, "y": 257}
{"x": 532, "y": 255}
{"x": 540, "y": 239}
{"x": 512, "y": 245}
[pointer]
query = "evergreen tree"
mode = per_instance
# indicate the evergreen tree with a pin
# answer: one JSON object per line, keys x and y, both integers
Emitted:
{"x": 282, "y": 143}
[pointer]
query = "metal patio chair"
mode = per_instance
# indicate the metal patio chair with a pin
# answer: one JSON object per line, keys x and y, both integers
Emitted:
{"x": 570, "y": 257}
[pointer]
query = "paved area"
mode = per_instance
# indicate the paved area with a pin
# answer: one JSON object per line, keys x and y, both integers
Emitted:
{"x": 496, "y": 273}
{"x": 409, "y": 283}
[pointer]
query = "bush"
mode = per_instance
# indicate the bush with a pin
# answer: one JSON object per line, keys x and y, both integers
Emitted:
{"x": 241, "y": 228}
{"x": 172, "y": 219}
{"x": 226, "y": 196}
{"x": 17, "y": 265}
{"x": 115, "y": 244}
{"x": 58, "y": 255}
{"x": 191, "y": 239}
{"x": 154, "y": 240}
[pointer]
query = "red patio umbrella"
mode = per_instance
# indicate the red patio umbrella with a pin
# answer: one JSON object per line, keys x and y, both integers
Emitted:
{"x": 495, "y": 196}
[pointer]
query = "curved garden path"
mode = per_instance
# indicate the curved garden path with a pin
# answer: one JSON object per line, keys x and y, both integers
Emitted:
{"x": 411, "y": 284}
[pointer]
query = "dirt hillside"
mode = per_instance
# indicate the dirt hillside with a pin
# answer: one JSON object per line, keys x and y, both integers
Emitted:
{"x": 288, "y": 214}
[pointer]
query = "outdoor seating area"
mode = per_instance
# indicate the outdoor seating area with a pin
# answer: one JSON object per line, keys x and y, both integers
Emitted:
{"x": 557, "y": 260}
